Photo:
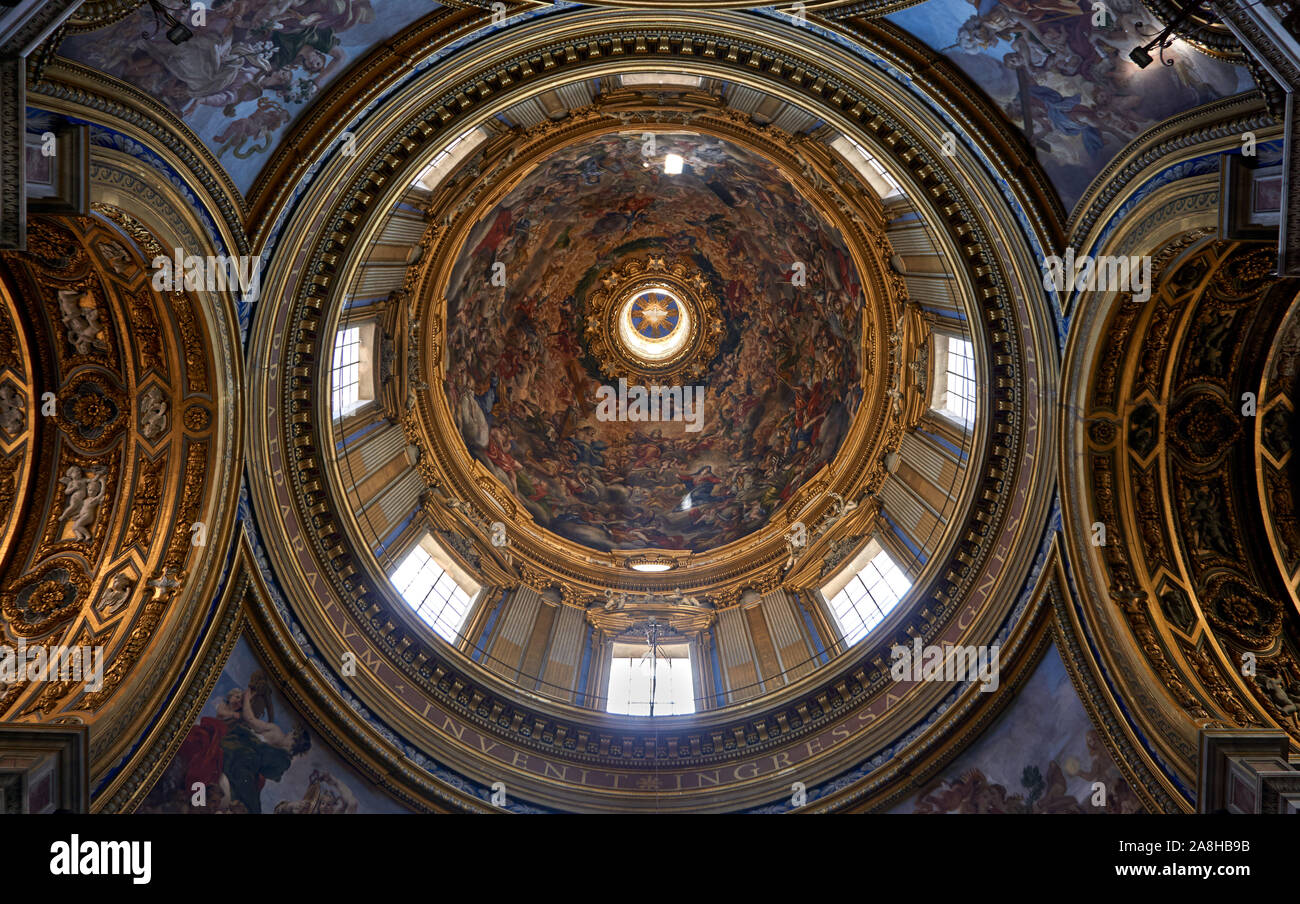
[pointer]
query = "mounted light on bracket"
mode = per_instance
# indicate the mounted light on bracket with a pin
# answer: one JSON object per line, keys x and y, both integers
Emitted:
{"x": 178, "y": 32}
{"x": 1142, "y": 55}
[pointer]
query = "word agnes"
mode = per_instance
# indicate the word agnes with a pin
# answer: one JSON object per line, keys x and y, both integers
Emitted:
{"x": 1106, "y": 273}
{"x": 214, "y": 273}
{"x": 103, "y": 858}
{"x": 652, "y": 403}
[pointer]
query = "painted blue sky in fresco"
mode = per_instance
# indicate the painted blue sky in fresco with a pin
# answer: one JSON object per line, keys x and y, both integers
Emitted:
{"x": 1046, "y": 62}
{"x": 245, "y": 75}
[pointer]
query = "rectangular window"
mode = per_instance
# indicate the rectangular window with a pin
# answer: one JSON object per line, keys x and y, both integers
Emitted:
{"x": 346, "y": 375}
{"x": 869, "y": 595}
{"x": 429, "y": 589}
{"x": 868, "y": 167}
{"x": 645, "y": 685}
{"x": 954, "y": 378}
{"x": 960, "y": 401}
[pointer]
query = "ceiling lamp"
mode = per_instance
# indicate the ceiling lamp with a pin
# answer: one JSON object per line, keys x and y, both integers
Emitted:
{"x": 673, "y": 164}
{"x": 651, "y": 562}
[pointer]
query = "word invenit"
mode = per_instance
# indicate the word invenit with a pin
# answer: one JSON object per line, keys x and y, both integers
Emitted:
{"x": 652, "y": 403}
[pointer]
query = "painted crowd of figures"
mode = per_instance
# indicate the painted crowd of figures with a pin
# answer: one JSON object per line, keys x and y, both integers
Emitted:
{"x": 1060, "y": 69}
{"x": 778, "y": 398}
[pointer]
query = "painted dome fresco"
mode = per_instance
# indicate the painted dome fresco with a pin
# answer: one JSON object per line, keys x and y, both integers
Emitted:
{"x": 645, "y": 406}
{"x": 767, "y": 285}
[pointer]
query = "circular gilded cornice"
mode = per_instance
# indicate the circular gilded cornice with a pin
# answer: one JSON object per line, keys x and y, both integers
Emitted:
{"x": 756, "y": 560}
{"x": 835, "y": 717}
{"x": 680, "y": 343}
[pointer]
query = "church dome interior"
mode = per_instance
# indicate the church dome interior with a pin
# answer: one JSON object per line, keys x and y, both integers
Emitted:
{"x": 870, "y": 406}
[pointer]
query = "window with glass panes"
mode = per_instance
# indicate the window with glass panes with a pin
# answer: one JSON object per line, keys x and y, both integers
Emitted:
{"x": 432, "y": 593}
{"x": 636, "y": 679}
{"x": 869, "y": 596}
{"x": 959, "y": 398}
{"x": 346, "y": 375}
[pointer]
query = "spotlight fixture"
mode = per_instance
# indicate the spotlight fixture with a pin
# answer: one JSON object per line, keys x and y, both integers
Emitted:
{"x": 673, "y": 164}
{"x": 178, "y": 32}
{"x": 1142, "y": 55}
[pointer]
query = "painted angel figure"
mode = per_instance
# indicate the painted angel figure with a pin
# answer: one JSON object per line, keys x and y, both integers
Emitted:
{"x": 325, "y": 794}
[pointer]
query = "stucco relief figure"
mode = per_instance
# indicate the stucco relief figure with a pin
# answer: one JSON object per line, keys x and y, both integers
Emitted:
{"x": 84, "y": 492}
{"x": 917, "y": 366}
{"x": 117, "y": 257}
{"x": 82, "y": 323}
{"x": 153, "y": 413}
{"x": 678, "y": 598}
{"x": 793, "y": 550}
{"x": 840, "y": 506}
{"x": 895, "y": 397}
{"x": 116, "y": 595}
{"x": 1205, "y": 515}
{"x": 1277, "y": 690}
{"x": 12, "y": 411}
